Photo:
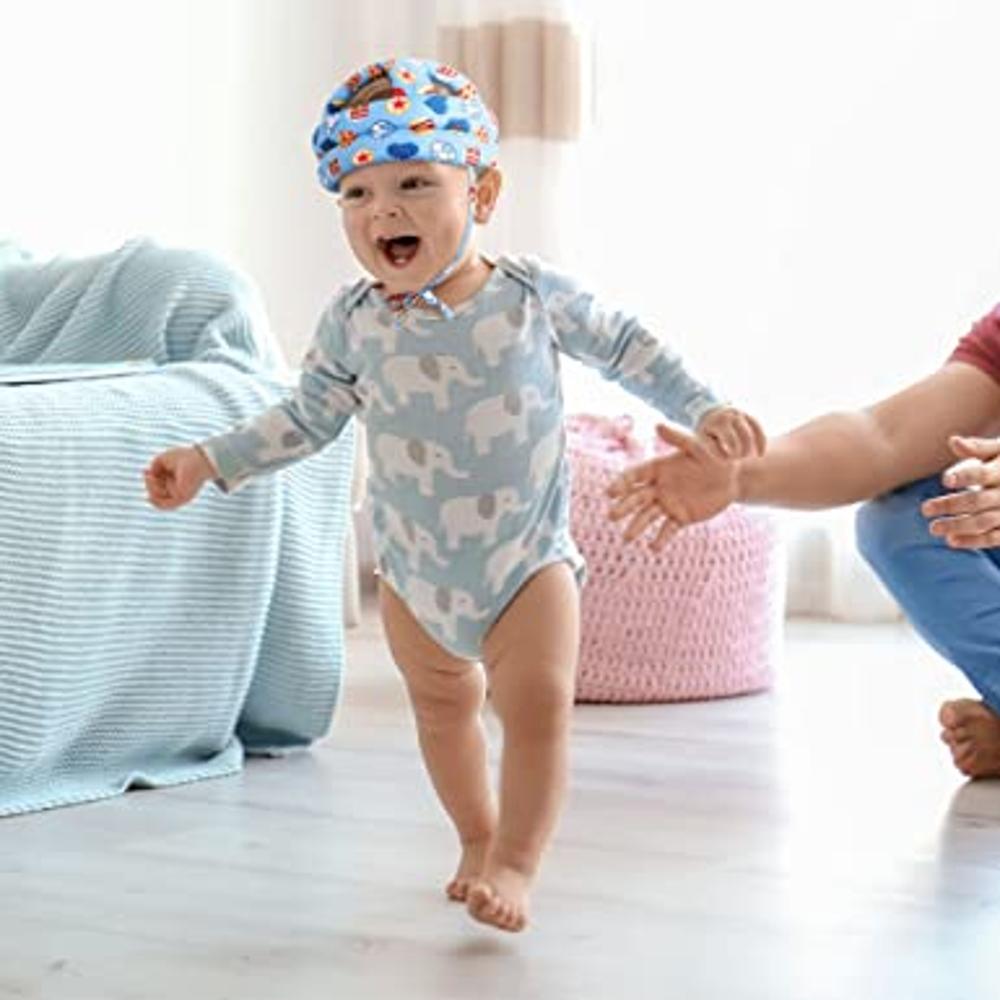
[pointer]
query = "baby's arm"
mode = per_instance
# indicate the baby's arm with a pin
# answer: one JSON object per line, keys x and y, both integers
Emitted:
{"x": 623, "y": 351}
{"x": 308, "y": 420}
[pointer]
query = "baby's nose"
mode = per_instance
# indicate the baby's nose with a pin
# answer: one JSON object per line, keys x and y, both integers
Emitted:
{"x": 385, "y": 208}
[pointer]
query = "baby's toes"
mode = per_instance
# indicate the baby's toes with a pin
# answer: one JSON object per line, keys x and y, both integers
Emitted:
{"x": 480, "y": 901}
{"x": 458, "y": 890}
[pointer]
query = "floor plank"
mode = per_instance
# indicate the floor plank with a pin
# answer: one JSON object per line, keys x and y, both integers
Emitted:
{"x": 810, "y": 843}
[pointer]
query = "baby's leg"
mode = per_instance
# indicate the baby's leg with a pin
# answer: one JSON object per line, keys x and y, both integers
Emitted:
{"x": 530, "y": 656}
{"x": 447, "y": 695}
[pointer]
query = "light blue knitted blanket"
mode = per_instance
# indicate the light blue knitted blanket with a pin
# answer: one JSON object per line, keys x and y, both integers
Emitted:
{"x": 137, "y": 647}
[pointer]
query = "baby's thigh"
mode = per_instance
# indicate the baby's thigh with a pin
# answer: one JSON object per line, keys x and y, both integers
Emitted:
{"x": 436, "y": 678}
{"x": 538, "y": 633}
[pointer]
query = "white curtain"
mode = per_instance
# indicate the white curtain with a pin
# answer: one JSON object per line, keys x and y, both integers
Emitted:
{"x": 531, "y": 59}
{"x": 802, "y": 198}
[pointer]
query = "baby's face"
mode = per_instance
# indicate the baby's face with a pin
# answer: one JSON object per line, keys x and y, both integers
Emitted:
{"x": 404, "y": 221}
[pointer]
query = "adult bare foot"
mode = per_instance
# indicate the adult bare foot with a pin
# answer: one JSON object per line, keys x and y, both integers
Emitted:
{"x": 972, "y": 733}
{"x": 500, "y": 898}
{"x": 470, "y": 867}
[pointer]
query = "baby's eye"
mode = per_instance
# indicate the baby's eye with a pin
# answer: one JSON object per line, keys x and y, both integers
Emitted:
{"x": 414, "y": 183}
{"x": 352, "y": 194}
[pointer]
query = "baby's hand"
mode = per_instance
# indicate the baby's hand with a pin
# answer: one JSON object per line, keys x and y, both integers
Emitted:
{"x": 175, "y": 476}
{"x": 731, "y": 433}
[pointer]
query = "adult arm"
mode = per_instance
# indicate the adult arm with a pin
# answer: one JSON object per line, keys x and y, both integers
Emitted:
{"x": 844, "y": 457}
{"x": 835, "y": 459}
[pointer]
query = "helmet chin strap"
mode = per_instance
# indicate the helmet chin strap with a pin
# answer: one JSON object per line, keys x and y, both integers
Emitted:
{"x": 426, "y": 294}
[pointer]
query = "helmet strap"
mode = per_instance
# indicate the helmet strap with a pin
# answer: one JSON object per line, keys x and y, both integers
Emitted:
{"x": 426, "y": 294}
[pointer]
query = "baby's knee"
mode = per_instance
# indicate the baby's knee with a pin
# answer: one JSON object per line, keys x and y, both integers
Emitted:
{"x": 540, "y": 709}
{"x": 445, "y": 699}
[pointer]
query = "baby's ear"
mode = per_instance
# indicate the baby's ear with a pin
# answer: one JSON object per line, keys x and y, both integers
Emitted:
{"x": 488, "y": 186}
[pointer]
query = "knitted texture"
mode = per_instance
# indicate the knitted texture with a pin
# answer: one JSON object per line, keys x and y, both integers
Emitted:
{"x": 701, "y": 619}
{"x": 137, "y": 647}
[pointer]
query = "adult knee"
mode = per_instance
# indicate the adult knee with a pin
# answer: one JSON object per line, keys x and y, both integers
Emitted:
{"x": 891, "y": 525}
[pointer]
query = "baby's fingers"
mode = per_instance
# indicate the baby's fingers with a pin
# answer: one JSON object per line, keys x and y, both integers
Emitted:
{"x": 745, "y": 439}
{"x": 724, "y": 442}
{"x": 157, "y": 490}
{"x": 757, "y": 436}
{"x": 750, "y": 437}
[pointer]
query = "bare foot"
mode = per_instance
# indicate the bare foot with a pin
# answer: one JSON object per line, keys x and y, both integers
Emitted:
{"x": 470, "y": 867}
{"x": 500, "y": 898}
{"x": 972, "y": 733}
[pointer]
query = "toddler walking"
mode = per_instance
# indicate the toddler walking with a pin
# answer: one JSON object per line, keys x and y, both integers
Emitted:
{"x": 451, "y": 360}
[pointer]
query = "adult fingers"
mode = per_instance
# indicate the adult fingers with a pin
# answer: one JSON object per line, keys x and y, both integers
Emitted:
{"x": 965, "y": 502}
{"x": 989, "y": 540}
{"x": 971, "y": 472}
{"x": 634, "y": 477}
{"x": 667, "y": 530}
{"x": 978, "y": 531}
{"x": 681, "y": 439}
{"x": 974, "y": 447}
{"x": 641, "y": 521}
{"x": 631, "y": 503}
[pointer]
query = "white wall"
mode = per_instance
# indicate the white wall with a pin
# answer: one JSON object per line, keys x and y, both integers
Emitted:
{"x": 811, "y": 189}
{"x": 802, "y": 196}
{"x": 805, "y": 196}
{"x": 110, "y": 128}
{"x": 187, "y": 120}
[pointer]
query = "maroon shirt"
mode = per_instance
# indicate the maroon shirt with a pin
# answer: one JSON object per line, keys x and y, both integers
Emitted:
{"x": 981, "y": 345}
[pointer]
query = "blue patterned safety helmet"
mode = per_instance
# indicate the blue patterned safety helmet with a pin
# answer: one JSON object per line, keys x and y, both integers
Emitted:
{"x": 433, "y": 114}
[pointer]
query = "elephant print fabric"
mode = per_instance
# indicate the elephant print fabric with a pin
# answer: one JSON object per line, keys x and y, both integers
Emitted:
{"x": 469, "y": 479}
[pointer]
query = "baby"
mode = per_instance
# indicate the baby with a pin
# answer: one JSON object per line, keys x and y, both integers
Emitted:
{"x": 451, "y": 359}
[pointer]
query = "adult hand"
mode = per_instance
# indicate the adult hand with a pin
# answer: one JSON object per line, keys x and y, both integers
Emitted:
{"x": 175, "y": 476}
{"x": 969, "y": 518}
{"x": 685, "y": 486}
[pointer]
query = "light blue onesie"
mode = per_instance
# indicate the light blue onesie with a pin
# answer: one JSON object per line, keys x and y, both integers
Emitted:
{"x": 469, "y": 477}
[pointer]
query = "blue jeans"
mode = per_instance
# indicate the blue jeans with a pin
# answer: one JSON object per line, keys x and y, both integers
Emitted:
{"x": 952, "y": 597}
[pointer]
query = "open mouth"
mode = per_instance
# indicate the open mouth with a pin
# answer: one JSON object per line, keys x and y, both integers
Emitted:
{"x": 399, "y": 250}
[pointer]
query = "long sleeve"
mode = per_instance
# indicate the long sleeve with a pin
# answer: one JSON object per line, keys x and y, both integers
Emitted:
{"x": 299, "y": 426}
{"x": 621, "y": 349}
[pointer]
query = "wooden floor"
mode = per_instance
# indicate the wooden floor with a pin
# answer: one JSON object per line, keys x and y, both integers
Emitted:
{"x": 807, "y": 844}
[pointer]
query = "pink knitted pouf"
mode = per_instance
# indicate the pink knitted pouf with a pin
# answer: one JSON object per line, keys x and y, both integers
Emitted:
{"x": 702, "y": 619}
